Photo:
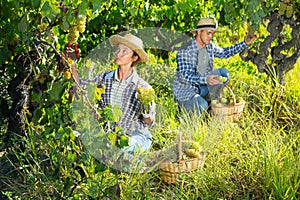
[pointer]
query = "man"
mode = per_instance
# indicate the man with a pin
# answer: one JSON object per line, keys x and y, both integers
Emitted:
{"x": 195, "y": 81}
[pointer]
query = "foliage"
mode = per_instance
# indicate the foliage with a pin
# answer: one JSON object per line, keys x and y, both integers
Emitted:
{"x": 255, "y": 158}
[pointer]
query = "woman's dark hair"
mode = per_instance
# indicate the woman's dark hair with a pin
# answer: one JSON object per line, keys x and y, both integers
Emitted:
{"x": 135, "y": 62}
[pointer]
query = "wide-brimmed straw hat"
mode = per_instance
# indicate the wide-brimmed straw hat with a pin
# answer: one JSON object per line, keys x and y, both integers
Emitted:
{"x": 206, "y": 24}
{"x": 131, "y": 41}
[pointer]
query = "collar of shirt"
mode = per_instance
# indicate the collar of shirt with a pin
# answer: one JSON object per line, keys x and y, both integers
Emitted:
{"x": 126, "y": 81}
{"x": 194, "y": 45}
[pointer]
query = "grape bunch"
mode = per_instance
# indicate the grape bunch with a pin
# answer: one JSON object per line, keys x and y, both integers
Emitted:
{"x": 193, "y": 151}
{"x": 76, "y": 29}
{"x": 145, "y": 96}
{"x": 81, "y": 24}
{"x": 225, "y": 101}
{"x": 222, "y": 79}
{"x": 73, "y": 34}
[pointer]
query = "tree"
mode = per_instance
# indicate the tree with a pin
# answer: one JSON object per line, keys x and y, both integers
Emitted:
{"x": 37, "y": 38}
{"x": 37, "y": 35}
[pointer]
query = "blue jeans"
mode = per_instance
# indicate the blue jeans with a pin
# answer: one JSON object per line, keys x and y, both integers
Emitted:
{"x": 139, "y": 141}
{"x": 199, "y": 103}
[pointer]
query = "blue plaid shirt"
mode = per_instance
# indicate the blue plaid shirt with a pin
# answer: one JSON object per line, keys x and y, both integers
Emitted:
{"x": 187, "y": 78}
{"x": 132, "y": 109}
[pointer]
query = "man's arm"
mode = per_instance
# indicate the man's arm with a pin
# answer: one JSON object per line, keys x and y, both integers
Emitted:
{"x": 234, "y": 49}
{"x": 229, "y": 51}
{"x": 186, "y": 63}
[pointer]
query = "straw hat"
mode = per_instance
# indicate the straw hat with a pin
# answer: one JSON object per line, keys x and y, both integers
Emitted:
{"x": 131, "y": 41}
{"x": 206, "y": 24}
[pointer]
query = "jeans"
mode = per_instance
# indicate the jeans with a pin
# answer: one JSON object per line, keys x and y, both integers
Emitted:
{"x": 140, "y": 140}
{"x": 199, "y": 103}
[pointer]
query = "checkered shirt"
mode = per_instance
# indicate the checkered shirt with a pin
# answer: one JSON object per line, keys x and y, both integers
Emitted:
{"x": 187, "y": 78}
{"x": 131, "y": 108}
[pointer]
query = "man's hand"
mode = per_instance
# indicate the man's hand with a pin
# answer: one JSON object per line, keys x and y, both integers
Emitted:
{"x": 250, "y": 38}
{"x": 213, "y": 80}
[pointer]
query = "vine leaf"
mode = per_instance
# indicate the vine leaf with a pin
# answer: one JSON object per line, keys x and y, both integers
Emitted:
{"x": 22, "y": 26}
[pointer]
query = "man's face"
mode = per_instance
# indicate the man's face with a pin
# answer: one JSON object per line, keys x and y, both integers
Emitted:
{"x": 206, "y": 35}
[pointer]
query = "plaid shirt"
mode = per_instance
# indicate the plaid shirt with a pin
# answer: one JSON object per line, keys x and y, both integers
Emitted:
{"x": 187, "y": 78}
{"x": 132, "y": 109}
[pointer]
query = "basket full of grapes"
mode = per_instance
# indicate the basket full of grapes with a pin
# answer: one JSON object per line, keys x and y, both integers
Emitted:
{"x": 190, "y": 158}
{"x": 228, "y": 109}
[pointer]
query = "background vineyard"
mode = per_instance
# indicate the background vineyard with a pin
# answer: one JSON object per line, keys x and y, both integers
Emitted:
{"x": 43, "y": 158}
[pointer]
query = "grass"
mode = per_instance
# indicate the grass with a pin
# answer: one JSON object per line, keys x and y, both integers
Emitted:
{"x": 255, "y": 158}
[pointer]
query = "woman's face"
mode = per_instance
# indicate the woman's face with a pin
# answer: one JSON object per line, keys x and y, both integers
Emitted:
{"x": 124, "y": 55}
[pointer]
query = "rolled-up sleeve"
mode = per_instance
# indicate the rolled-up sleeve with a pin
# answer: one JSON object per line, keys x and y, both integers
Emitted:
{"x": 229, "y": 51}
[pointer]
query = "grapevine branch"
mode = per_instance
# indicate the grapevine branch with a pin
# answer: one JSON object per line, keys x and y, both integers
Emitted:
{"x": 83, "y": 92}
{"x": 281, "y": 62}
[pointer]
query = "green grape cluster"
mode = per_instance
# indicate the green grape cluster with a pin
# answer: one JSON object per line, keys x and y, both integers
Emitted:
{"x": 76, "y": 29}
{"x": 81, "y": 22}
{"x": 222, "y": 79}
{"x": 193, "y": 151}
{"x": 42, "y": 27}
{"x": 73, "y": 35}
{"x": 145, "y": 95}
{"x": 196, "y": 145}
{"x": 225, "y": 101}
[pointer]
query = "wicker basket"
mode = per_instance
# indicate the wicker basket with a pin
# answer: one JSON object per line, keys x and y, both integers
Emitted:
{"x": 170, "y": 171}
{"x": 232, "y": 112}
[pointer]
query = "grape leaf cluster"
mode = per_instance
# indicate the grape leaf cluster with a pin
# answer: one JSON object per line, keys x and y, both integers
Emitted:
{"x": 285, "y": 9}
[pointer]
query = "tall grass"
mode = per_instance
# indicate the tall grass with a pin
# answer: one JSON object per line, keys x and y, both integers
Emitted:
{"x": 255, "y": 158}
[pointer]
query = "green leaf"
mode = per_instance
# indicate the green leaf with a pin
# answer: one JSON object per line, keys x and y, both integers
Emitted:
{"x": 65, "y": 23}
{"x": 60, "y": 132}
{"x": 22, "y": 26}
{"x": 38, "y": 115}
{"x": 117, "y": 113}
{"x": 123, "y": 141}
{"x": 46, "y": 9}
{"x": 97, "y": 6}
{"x": 71, "y": 156}
{"x": 56, "y": 91}
{"x": 82, "y": 9}
{"x": 35, "y": 3}
{"x": 108, "y": 112}
{"x": 91, "y": 91}
{"x": 36, "y": 96}
{"x": 112, "y": 138}
{"x": 50, "y": 11}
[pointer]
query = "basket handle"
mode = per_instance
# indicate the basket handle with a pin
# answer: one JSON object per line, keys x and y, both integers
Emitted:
{"x": 180, "y": 147}
{"x": 231, "y": 93}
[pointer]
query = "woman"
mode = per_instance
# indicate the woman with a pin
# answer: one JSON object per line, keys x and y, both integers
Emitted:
{"x": 121, "y": 90}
